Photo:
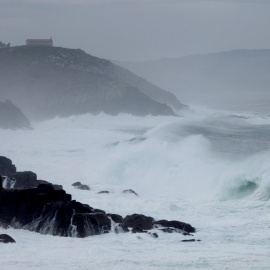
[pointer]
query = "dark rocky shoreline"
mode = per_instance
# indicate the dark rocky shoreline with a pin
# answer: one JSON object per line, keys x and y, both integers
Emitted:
{"x": 39, "y": 206}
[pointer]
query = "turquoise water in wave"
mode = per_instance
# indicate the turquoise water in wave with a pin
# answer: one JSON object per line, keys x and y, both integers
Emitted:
{"x": 208, "y": 168}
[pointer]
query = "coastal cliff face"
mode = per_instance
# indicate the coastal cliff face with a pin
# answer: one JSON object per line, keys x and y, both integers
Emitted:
{"x": 50, "y": 81}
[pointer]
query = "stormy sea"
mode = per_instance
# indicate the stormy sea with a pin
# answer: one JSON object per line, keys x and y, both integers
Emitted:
{"x": 207, "y": 167}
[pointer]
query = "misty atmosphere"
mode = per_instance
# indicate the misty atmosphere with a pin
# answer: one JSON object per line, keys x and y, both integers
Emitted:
{"x": 134, "y": 134}
{"x": 236, "y": 80}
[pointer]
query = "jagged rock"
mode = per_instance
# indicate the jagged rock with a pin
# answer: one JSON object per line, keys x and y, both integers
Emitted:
{"x": 116, "y": 218}
{"x": 139, "y": 221}
{"x": 174, "y": 230}
{"x": 99, "y": 211}
{"x": 104, "y": 192}
{"x": 130, "y": 191}
{"x": 19, "y": 180}
{"x": 154, "y": 235}
{"x": 190, "y": 240}
{"x": 81, "y": 186}
{"x": 25, "y": 180}
{"x": 138, "y": 230}
{"x": 176, "y": 224}
{"x": 54, "y": 219}
{"x": 91, "y": 224}
{"x": 8, "y": 182}
{"x": 49, "y": 211}
{"x": 4, "y": 238}
{"x": 7, "y": 171}
{"x": 121, "y": 228}
{"x": 56, "y": 187}
{"x": 28, "y": 179}
{"x": 6, "y": 166}
{"x": 75, "y": 184}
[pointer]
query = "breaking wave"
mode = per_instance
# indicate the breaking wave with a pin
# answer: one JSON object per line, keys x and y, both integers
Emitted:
{"x": 196, "y": 157}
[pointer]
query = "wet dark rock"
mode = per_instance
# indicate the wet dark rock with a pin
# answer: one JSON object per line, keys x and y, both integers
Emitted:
{"x": 5, "y": 238}
{"x": 84, "y": 187}
{"x": 81, "y": 186}
{"x": 130, "y": 191}
{"x": 8, "y": 182}
{"x": 139, "y": 221}
{"x": 54, "y": 219}
{"x": 138, "y": 230}
{"x": 154, "y": 235}
{"x": 190, "y": 240}
{"x": 116, "y": 218}
{"x": 91, "y": 224}
{"x": 20, "y": 207}
{"x": 104, "y": 192}
{"x": 174, "y": 230}
{"x": 47, "y": 210}
{"x": 43, "y": 188}
{"x": 99, "y": 211}
{"x": 176, "y": 224}
{"x": 25, "y": 180}
{"x": 75, "y": 184}
{"x": 7, "y": 171}
{"x": 120, "y": 228}
{"x": 56, "y": 187}
{"x": 6, "y": 166}
{"x": 12, "y": 179}
{"x": 4, "y": 224}
{"x": 50, "y": 211}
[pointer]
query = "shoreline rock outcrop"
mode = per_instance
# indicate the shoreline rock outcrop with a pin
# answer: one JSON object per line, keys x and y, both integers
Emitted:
{"x": 48, "y": 210}
{"x": 5, "y": 238}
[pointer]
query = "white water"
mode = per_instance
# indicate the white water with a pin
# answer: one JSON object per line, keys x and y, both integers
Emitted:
{"x": 208, "y": 168}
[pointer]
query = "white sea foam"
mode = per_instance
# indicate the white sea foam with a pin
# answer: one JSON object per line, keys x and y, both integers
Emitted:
{"x": 210, "y": 169}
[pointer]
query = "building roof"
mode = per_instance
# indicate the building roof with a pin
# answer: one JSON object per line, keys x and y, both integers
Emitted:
{"x": 38, "y": 40}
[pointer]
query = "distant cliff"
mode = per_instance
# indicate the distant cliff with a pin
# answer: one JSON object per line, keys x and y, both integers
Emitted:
{"x": 50, "y": 81}
{"x": 233, "y": 79}
{"x": 11, "y": 117}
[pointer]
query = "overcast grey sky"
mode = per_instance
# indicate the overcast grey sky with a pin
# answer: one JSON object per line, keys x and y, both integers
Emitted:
{"x": 139, "y": 29}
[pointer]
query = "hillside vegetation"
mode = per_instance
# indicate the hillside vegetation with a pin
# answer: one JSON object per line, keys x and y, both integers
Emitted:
{"x": 51, "y": 81}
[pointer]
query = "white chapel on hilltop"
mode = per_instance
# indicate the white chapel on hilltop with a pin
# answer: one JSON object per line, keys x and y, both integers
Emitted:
{"x": 39, "y": 42}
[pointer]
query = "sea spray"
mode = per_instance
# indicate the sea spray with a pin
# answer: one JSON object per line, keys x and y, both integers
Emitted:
{"x": 185, "y": 168}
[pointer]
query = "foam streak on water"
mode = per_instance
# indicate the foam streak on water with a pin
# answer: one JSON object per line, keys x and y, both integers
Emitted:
{"x": 210, "y": 169}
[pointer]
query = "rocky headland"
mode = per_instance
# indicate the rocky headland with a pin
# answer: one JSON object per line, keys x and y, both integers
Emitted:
{"x": 46, "y": 82}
